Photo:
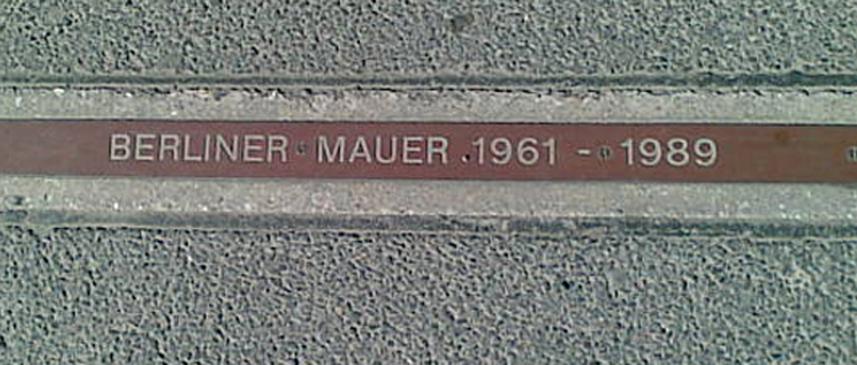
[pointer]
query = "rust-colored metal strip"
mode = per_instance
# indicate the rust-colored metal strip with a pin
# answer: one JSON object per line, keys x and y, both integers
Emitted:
{"x": 489, "y": 151}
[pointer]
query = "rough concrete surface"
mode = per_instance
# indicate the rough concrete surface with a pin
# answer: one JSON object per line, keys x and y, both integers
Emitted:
{"x": 96, "y": 295}
{"x": 494, "y": 43}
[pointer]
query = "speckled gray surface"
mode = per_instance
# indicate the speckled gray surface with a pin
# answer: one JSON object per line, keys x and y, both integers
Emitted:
{"x": 142, "y": 296}
{"x": 304, "y": 272}
{"x": 446, "y": 42}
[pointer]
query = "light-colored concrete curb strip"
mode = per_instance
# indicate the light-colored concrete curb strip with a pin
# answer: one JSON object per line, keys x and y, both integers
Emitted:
{"x": 793, "y": 107}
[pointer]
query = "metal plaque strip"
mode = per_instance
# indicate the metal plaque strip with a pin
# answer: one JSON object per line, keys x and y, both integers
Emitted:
{"x": 408, "y": 150}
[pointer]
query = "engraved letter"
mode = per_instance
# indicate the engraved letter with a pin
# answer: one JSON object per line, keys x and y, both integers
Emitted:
{"x": 207, "y": 148}
{"x": 281, "y": 143}
{"x": 187, "y": 147}
{"x": 324, "y": 152}
{"x": 169, "y": 142}
{"x": 408, "y": 149}
{"x": 231, "y": 150}
{"x": 360, "y": 150}
{"x": 120, "y": 149}
{"x": 248, "y": 147}
{"x": 141, "y": 146}
{"x": 379, "y": 148}
{"x": 437, "y": 145}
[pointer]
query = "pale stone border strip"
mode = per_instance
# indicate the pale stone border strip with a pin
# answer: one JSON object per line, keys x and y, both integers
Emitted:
{"x": 795, "y": 107}
{"x": 123, "y": 197}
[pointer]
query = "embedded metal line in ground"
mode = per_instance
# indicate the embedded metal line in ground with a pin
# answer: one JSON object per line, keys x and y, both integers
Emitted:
{"x": 668, "y": 152}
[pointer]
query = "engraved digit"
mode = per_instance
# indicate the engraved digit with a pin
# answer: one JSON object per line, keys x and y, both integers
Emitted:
{"x": 650, "y": 150}
{"x": 705, "y": 150}
{"x": 677, "y": 154}
{"x": 628, "y": 145}
{"x": 550, "y": 145}
{"x": 480, "y": 150}
{"x": 501, "y": 149}
{"x": 528, "y": 155}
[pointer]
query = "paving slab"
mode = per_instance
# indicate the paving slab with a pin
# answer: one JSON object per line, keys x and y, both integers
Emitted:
{"x": 485, "y": 43}
{"x": 105, "y": 269}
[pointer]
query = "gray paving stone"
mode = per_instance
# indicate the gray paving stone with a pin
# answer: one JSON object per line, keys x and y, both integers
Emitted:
{"x": 117, "y": 295}
{"x": 432, "y": 42}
